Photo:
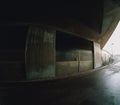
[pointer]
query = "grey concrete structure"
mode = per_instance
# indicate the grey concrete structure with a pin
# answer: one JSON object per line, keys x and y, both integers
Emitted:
{"x": 79, "y": 60}
{"x": 93, "y": 21}
{"x": 40, "y": 53}
{"x": 50, "y": 53}
{"x": 73, "y": 54}
{"x": 97, "y": 55}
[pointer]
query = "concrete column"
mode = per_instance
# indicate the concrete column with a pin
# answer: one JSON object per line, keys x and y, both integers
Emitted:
{"x": 40, "y": 53}
{"x": 97, "y": 55}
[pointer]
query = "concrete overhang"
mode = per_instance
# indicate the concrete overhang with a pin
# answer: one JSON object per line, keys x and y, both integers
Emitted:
{"x": 83, "y": 18}
{"x": 111, "y": 18}
{"x": 92, "y": 20}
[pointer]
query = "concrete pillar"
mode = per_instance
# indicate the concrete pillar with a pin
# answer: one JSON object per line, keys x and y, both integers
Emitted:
{"x": 97, "y": 55}
{"x": 40, "y": 53}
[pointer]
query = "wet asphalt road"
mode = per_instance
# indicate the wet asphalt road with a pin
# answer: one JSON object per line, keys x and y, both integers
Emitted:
{"x": 99, "y": 88}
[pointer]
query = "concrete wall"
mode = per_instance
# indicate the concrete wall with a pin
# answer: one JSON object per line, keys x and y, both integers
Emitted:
{"x": 86, "y": 60}
{"x": 40, "y": 53}
{"x": 12, "y": 71}
{"x": 73, "y": 54}
{"x": 12, "y": 65}
{"x": 97, "y": 55}
{"x": 106, "y": 58}
{"x": 73, "y": 61}
{"x": 12, "y": 52}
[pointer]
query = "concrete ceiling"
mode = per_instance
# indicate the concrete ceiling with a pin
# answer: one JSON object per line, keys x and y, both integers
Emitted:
{"x": 83, "y": 18}
{"x": 91, "y": 19}
{"x": 111, "y": 18}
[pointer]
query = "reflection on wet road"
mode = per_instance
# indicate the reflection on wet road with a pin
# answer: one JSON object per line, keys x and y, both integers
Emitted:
{"x": 106, "y": 86}
{"x": 99, "y": 88}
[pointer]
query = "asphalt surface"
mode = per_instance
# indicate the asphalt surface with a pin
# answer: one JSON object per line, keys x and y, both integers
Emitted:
{"x": 101, "y": 87}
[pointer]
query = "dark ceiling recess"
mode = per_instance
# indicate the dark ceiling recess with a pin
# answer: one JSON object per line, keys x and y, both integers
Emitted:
{"x": 66, "y": 41}
{"x": 88, "y": 12}
{"x": 13, "y": 37}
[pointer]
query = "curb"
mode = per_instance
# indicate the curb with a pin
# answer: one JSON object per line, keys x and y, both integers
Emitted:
{"x": 80, "y": 74}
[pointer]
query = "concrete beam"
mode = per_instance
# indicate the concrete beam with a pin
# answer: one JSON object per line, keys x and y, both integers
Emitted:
{"x": 110, "y": 22}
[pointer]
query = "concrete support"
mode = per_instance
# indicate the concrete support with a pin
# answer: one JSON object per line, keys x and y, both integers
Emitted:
{"x": 97, "y": 55}
{"x": 109, "y": 27}
{"x": 40, "y": 53}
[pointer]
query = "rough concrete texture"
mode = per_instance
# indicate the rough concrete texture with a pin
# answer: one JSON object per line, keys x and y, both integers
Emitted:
{"x": 69, "y": 67}
{"x": 97, "y": 55}
{"x": 106, "y": 57}
{"x": 40, "y": 53}
{"x": 73, "y": 54}
{"x": 66, "y": 68}
{"x": 86, "y": 65}
{"x": 73, "y": 61}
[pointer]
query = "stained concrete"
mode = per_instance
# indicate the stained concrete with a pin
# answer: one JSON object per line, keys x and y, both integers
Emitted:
{"x": 106, "y": 58}
{"x": 73, "y": 61}
{"x": 40, "y": 53}
{"x": 98, "y": 88}
{"x": 97, "y": 55}
{"x": 73, "y": 54}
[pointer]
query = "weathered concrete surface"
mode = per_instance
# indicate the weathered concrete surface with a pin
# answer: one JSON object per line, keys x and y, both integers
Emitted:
{"x": 106, "y": 58}
{"x": 99, "y": 88}
{"x": 73, "y": 54}
{"x": 97, "y": 55}
{"x": 73, "y": 61}
{"x": 40, "y": 53}
{"x": 111, "y": 18}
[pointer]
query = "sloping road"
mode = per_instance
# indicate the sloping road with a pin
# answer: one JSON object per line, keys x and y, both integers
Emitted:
{"x": 98, "y": 88}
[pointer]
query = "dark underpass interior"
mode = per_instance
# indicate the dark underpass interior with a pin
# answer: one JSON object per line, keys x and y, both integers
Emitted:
{"x": 73, "y": 55}
{"x": 66, "y": 41}
{"x": 13, "y": 37}
{"x": 51, "y": 53}
{"x": 12, "y": 52}
{"x": 70, "y": 50}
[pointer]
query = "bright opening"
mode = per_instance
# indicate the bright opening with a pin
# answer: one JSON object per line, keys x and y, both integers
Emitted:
{"x": 113, "y": 44}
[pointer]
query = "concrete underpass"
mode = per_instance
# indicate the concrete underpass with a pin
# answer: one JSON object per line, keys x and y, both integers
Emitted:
{"x": 53, "y": 54}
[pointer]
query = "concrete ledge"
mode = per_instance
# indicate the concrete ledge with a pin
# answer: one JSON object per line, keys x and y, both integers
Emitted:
{"x": 75, "y": 75}
{"x": 80, "y": 74}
